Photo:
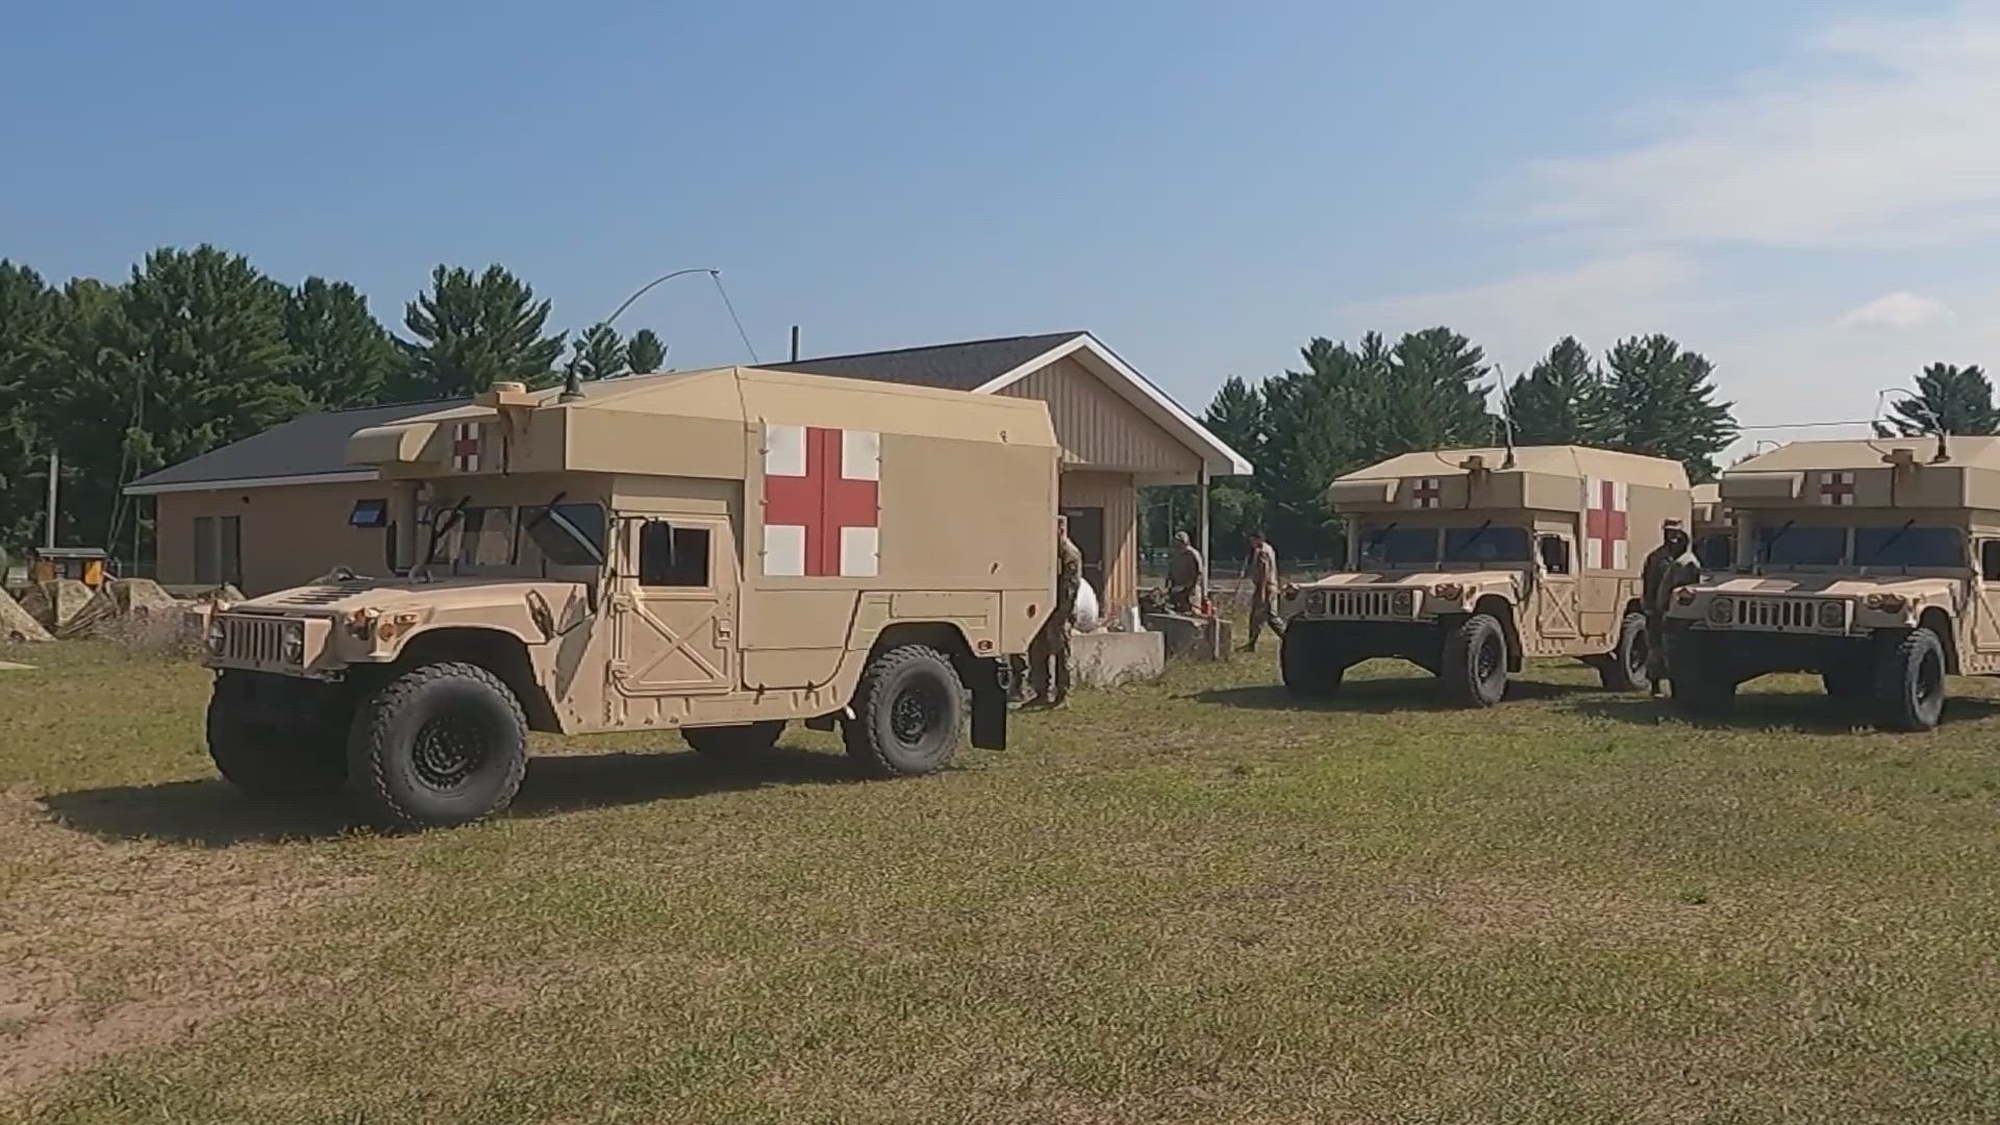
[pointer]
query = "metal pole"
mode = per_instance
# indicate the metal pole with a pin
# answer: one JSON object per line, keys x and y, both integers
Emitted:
{"x": 55, "y": 467}
{"x": 1201, "y": 517}
{"x": 795, "y": 343}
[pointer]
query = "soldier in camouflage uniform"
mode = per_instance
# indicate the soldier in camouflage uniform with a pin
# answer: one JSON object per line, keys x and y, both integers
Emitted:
{"x": 1263, "y": 563}
{"x": 1048, "y": 655}
{"x": 1667, "y": 568}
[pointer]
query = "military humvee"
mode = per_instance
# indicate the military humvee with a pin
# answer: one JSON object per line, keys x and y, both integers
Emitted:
{"x": 1875, "y": 564}
{"x": 1714, "y": 532}
{"x": 1468, "y": 562}
{"x": 715, "y": 553}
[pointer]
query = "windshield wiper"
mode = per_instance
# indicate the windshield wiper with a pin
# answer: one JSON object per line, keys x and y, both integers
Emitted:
{"x": 440, "y": 528}
{"x": 1883, "y": 549}
{"x": 1771, "y": 540}
{"x": 1471, "y": 539}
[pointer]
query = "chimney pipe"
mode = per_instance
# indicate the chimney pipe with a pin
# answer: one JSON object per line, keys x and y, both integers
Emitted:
{"x": 795, "y": 343}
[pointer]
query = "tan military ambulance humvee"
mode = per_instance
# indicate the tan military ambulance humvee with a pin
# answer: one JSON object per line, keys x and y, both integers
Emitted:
{"x": 715, "y": 553}
{"x": 1714, "y": 530}
{"x": 1872, "y": 563}
{"x": 1468, "y": 562}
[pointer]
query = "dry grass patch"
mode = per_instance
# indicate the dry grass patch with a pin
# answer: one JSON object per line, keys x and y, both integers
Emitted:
{"x": 1190, "y": 901}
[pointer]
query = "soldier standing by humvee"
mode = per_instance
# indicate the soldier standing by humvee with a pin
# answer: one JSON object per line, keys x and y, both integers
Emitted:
{"x": 1048, "y": 656}
{"x": 1667, "y": 568}
{"x": 1263, "y": 590}
{"x": 1185, "y": 577}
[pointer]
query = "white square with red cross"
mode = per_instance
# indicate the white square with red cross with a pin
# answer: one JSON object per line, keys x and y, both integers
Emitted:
{"x": 1607, "y": 524}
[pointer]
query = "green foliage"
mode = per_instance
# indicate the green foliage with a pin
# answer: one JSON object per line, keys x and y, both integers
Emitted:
{"x": 472, "y": 331}
{"x": 345, "y": 356}
{"x": 1958, "y": 399}
{"x": 645, "y": 354}
{"x": 1662, "y": 399}
{"x": 29, "y": 318}
{"x": 1561, "y": 401}
{"x": 598, "y": 353}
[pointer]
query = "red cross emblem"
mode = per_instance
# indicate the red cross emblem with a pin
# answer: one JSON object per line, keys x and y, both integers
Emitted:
{"x": 1605, "y": 531}
{"x": 465, "y": 447}
{"x": 1836, "y": 488}
{"x": 1427, "y": 494}
{"x": 822, "y": 502}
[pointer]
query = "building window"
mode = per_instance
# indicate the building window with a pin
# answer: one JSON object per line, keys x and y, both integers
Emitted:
{"x": 218, "y": 550}
{"x": 673, "y": 556}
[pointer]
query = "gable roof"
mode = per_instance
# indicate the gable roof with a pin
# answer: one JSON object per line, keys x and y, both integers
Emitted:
{"x": 312, "y": 448}
{"x": 309, "y": 449}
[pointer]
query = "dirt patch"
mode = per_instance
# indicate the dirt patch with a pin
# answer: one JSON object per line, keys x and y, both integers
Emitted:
{"x": 128, "y": 945}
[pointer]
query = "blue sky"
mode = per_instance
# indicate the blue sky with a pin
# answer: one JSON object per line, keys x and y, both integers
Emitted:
{"x": 1807, "y": 192}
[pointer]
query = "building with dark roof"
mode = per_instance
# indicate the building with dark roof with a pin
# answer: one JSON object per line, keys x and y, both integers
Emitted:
{"x": 271, "y": 511}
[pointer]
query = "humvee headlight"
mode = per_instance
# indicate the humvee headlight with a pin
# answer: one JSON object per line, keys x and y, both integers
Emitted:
{"x": 217, "y": 635}
{"x": 1832, "y": 614}
{"x": 294, "y": 651}
{"x": 1888, "y": 603}
{"x": 1406, "y": 601}
{"x": 1316, "y": 602}
{"x": 1450, "y": 590}
{"x": 1721, "y": 611}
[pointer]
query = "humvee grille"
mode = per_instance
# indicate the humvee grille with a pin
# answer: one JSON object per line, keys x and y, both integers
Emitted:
{"x": 253, "y": 639}
{"x": 1777, "y": 613}
{"x": 1361, "y": 603}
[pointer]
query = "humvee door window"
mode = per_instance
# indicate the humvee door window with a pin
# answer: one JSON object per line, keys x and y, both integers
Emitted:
{"x": 1399, "y": 546}
{"x": 1787, "y": 545}
{"x": 1716, "y": 552}
{"x": 1989, "y": 560}
{"x": 1555, "y": 554}
{"x": 1485, "y": 544}
{"x": 672, "y": 556}
{"x": 1905, "y": 545}
{"x": 486, "y": 537}
{"x": 569, "y": 534}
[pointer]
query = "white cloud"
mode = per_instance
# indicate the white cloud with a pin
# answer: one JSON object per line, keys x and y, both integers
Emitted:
{"x": 1887, "y": 138}
{"x": 1899, "y": 312}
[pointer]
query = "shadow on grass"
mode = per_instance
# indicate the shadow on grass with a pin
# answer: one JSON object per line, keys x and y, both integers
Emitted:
{"x": 1375, "y": 696}
{"x": 211, "y": 813}
{"x": 1811, "y": 712}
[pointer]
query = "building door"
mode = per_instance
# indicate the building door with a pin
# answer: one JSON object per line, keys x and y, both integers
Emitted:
{"x": 674, "y": 611}
{"x": 1086, "y": 530}
{"x": 218, "y": 550}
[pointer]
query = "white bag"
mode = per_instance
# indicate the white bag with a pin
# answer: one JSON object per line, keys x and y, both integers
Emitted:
{"x": 1085, "y": 617}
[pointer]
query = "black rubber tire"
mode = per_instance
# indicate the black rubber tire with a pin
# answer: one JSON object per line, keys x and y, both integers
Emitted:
{"x": 1700, "y": 687}
{"x": 734, "y": 741}
{"x": 400, "y": 786}
{"x": 1475, "y": 662}
{"x": 1304, "y": 664}
{"x": 1849, "y": 680}
{"x": 883, "y": 742}
{"x": 270, "y": 759}
{"x": 1909, "y": 682}
{"x": 1624, "y": 668}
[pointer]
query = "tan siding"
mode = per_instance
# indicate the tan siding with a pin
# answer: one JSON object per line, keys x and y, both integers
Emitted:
{"x": 290, "y": 535}
{"x": 1097, "y": 428}
{"x": 1116, "y": 494}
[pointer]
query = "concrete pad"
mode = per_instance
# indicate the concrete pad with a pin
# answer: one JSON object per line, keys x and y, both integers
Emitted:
{"x": 1107, "y": 659}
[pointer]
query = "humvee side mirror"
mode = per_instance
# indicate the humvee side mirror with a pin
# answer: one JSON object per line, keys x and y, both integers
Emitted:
{"x": 1989, "y": 560}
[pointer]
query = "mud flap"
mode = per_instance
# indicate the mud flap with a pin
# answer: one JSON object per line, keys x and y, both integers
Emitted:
{"x": 989, "y": 706}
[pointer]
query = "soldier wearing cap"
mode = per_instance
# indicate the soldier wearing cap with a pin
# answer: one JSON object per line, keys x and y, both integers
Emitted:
{"x": 1667, "y": 568}
{"x": 1185, "y": 577}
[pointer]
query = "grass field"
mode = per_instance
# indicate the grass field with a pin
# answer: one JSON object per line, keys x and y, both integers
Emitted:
{"x": 1185, "y": 902}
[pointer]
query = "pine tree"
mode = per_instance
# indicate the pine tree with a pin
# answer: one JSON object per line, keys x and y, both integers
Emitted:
{"x": 345, "y": 356}
{"x": 644, "y": 353}
{"x": 1661, "y": 400}
{"x": 29, "y": 312}
{"x": 1560, "y": 401}
{"x": 1436, "y": 394}
{"x": 473, "y": 331}
{"x": 1959, "y": 399}
{"x": 598, "y": 353}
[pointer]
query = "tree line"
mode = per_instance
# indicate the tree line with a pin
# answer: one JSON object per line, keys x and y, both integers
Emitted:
{"x": 198, "y": 348}
{"x": 1350, "y": 406}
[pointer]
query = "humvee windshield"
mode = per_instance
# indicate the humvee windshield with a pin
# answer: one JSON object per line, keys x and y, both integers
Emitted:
{"x": 506, "y": 538}
{"x": 1427, "y": 546}
{"x": 1874, "y": 545}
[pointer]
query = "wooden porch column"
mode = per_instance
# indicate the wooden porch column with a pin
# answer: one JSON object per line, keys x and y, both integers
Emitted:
{"x": 1201, "y": 519}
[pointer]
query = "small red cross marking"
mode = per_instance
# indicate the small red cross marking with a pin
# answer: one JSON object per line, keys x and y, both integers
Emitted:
{"x": 465, "y": 447}
{"x": 1428, "y": 492}
{"x": 1837, "y": 488}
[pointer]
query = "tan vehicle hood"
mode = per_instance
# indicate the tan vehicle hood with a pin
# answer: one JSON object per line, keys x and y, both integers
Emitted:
{"x": 1831, "y": 585}
{"x": 335, "y": 598}
{"x": 1415, "y": 579}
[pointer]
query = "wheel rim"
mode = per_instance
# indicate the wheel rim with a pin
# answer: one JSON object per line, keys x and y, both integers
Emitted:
{"x": 1930, "y": 681}
{"x": 448, "y": 750}
{"x": 915, "y": 713}
{"x": 1489, "y": 658}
